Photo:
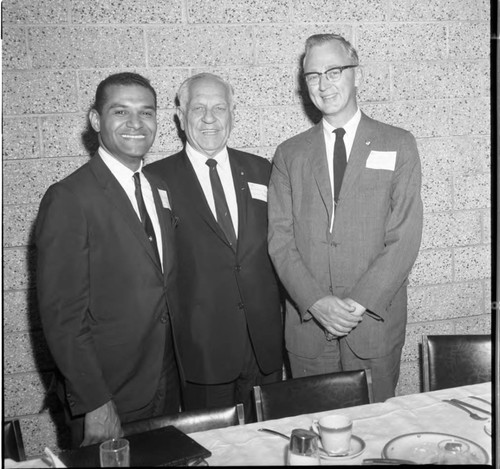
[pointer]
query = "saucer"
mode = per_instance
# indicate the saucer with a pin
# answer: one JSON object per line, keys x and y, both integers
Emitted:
{"x": 357, "y": 447}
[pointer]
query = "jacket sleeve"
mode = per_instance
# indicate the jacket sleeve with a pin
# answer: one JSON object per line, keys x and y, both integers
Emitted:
{"x": 389, "y": 270}
{"x": 292, "y": 271}
{"x": 63, "y": 286}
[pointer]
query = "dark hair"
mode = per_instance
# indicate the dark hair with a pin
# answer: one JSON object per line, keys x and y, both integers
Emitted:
{"x": 124, "y": 78}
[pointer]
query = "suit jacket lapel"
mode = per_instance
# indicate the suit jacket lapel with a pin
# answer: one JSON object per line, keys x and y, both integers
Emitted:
{"x": 319, "y": 166}
{"x": 117, "y": 196}
{"x": 357, "y": 158}
{"x": 242, "y": 195}
{"x": 166, "y": 227}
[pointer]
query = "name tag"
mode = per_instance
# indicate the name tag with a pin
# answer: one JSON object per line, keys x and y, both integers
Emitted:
{"x": 164, "y": 199}
{"x": 382, "y": 160}
{"x": 258, "y": 191}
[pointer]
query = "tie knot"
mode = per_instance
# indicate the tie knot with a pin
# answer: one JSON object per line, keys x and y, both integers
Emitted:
{"x": 340, "y": 132}
{"x": 211, "y": 163}
{"x": 137, "y": 178}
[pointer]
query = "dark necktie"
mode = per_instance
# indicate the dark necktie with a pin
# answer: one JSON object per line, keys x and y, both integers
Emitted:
{"x": 221, "y": 208}
{"x": 145, "y": 220}
{"x": 339, "y": 163}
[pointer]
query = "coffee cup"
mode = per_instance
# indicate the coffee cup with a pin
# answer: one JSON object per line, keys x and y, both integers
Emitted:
{"x": 335, "y": 433}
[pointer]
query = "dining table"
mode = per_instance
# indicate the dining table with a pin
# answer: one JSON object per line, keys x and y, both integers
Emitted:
{"x": 375, "y": 424}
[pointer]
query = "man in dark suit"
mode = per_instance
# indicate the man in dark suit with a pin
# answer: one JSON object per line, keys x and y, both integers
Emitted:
{"x": 230, "y": 334}
{"x": 345, "y": 224}
{"x": 105, "y": 276}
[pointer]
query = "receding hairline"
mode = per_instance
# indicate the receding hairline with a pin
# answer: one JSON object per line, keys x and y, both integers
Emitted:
{"x": 185, "y": 88}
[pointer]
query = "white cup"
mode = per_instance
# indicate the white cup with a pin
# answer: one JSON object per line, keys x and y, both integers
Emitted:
{"x": 335, "y": 432}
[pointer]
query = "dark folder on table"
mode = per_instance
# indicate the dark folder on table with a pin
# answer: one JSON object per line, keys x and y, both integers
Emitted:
{"x": 166, "y": 446}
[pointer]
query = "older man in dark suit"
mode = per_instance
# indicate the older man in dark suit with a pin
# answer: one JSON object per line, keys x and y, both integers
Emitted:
{"x": 345, "y": 224}
{"x": 106, "y": 277}
{"x": 230, "y": 335}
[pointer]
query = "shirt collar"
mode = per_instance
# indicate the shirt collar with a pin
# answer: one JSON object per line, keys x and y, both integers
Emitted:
{"x": 119, "y": 170}
{"x": 222, "y": 157}
{"x": 350, "y": 126}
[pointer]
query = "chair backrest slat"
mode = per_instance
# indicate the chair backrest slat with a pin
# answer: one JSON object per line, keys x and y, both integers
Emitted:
{"x": 455, "y": 360}
{"x": 313, "y": 394}
{"x": 12, "y": 444}
{"x": 191, "y": 421}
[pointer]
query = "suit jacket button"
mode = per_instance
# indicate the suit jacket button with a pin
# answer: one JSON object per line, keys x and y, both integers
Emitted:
{"x": 163, "y": 319}
{"x": 241, "y": 305}
{"x": 237, "y": 268}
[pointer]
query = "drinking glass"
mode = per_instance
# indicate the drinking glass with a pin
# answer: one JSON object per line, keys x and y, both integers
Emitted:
{"x": 453, "y": 452}
{"x": 115, "y": 453}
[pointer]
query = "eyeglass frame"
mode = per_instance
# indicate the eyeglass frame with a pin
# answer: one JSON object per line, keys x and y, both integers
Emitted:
{"x": 320, "y": 74}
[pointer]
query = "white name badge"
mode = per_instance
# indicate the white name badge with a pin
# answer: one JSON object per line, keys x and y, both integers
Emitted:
{"x": 164, "y": 199}
{"x": 382, "y": 160}
{"x": 258, "y": 191}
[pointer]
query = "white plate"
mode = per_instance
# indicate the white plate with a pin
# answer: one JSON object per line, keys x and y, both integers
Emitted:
{"x": 422, "y": 448}
{"x": 357, "y": 447}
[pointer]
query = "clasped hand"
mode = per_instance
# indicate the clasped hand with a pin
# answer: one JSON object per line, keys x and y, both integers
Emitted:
{"x": 338, "y": 316}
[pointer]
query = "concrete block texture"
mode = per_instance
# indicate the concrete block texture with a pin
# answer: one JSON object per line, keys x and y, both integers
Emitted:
{"x": 440, "y": 10}
{"x": 451, "y": 229}
{"x": 441, "y": 302}
{"x": 426, "y": 68}
{"x": 87, "y": 46}
{"x": 21, "y": 138}
{"x": 275, "y": 44}
{"x": 20, "y": 311}
{"x": 246, "y": 11}
{"x": 27, "y": 393}
{"x": 402, "y": 41}
{"x": 200, "y": 45}
{"x": 128, "y": 12}
{"x": 15, "y": 49}
{"x": 39, "y": 92}
{"x": 18, "y": 224}
{"x": 39, "y": 12}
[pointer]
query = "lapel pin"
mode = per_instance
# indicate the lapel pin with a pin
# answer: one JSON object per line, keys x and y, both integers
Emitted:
{"x": 367, "y": 142}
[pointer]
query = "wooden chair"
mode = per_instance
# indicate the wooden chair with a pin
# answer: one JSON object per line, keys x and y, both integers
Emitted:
{"x": 313, "y": 394}
{"x": 455, "y": 360}
{"x": 191, "y": 421}
{"x": 12, "y": 444}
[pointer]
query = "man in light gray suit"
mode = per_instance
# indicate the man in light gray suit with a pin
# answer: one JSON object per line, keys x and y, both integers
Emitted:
{"x": 345, "y": 224}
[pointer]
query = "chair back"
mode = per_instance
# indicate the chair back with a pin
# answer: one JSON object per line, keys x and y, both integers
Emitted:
{"x": 12, "y": 444}
{"x": 313, "y": 394}
{"x": 191, "y": 421}
{"x": 449, "y": 361}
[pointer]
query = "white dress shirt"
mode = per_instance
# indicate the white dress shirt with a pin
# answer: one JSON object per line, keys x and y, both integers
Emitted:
{"x": 350, "y": 132}
{"x": 198, "y": 160}
{"x": 125, "y": 177}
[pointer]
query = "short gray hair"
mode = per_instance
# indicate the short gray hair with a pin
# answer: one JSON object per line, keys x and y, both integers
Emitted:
{"x": 184, "y": 89}
{"x": 318, "y": 39}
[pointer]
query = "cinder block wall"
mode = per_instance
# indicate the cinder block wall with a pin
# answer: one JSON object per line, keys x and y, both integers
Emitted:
{"x": 426, "y": 69}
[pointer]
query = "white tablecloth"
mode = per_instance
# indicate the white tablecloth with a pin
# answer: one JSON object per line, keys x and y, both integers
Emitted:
{"x": 376, "y": 424}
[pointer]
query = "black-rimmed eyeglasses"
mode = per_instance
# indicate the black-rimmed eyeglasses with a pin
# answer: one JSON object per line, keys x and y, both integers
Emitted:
{"x": 332, "y": 74}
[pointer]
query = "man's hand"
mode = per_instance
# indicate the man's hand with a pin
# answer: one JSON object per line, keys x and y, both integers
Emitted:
{"x": 335, "y": 315}
{"x": 102, "y": 424}
{"x": 359, "y": 310}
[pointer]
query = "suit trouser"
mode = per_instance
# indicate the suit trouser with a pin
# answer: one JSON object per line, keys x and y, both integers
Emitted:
{"x": 338, "y": 356}
{"x": 204, "y": 396}
{"x": 165, "y": 401}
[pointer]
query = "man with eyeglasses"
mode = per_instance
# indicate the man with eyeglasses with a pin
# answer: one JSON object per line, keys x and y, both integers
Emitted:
{"x": 345, "y": 223}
